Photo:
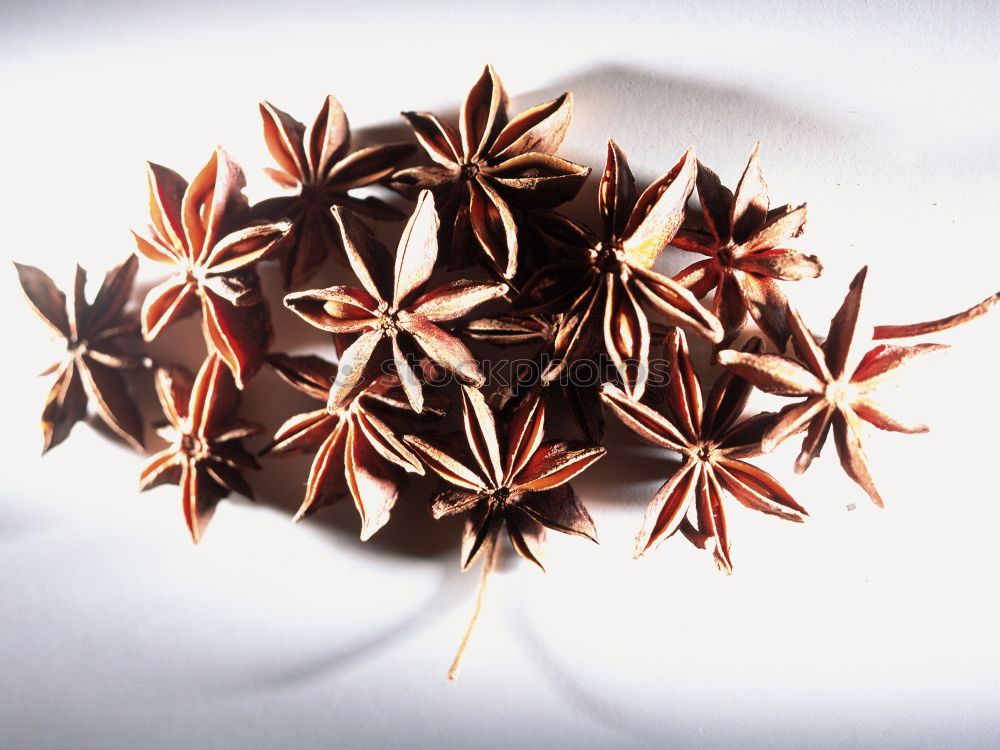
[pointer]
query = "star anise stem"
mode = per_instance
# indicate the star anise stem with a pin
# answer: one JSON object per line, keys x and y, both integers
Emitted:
{"x": 492, "y": 556}
{"x": 934, "y": 326}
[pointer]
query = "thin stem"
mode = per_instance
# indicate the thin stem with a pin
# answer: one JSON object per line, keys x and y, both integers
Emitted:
{"x": 489, "y": 565}
{"x": 933, "y": 326}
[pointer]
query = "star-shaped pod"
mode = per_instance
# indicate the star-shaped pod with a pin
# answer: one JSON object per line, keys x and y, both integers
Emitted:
{"x": 201, "y": 231}
{"x": 491, "y": 166}
{"x": 357, "y": 452}
{"x": 393, "y": 315}
{"x": 603, "y": 285}
{"x": 91, "y": 368}
{"x": 322, "y": 169}
{"x": 713, "y": 443}
{"x": 206, "y": 453}
{"x": 836, "y": 383}
{"x": 744, "y": 239}
{"x": 508, "y": 478}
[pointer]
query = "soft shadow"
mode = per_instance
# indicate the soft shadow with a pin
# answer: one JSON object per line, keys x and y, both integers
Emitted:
{"x": 701, "y": 113}
{"x": 628, "y": 463}
{"x": 588, "y": 701}
{"x": 450, "y": 594}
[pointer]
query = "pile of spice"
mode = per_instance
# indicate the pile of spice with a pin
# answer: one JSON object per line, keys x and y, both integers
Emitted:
{"x": 484, "y": 257}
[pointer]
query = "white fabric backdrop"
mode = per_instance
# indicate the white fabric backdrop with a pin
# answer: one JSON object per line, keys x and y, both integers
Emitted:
{"x": 864, "y": 628}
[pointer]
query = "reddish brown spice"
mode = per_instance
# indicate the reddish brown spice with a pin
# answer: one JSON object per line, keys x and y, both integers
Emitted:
{"x": 489, "y": 198}
{"x": 837, "y": 384}
{"x": 206, "y": 455}
{"x": 491, "y": 165}
{"x": 98, "y": 337}
{"x": 393, "y": 314}
{"x": 202, "y": 232}
{"x": 323, "y": 173}
{"x": 603, "y": 285}
{"x": 744, "y": 238}
{"x": 713, "y": 442}
{"x": 357, "y": 451}
{"x": 507, "y": 478}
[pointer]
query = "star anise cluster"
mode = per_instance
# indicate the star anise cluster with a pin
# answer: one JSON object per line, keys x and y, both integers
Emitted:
{"x": 484, "y": 257}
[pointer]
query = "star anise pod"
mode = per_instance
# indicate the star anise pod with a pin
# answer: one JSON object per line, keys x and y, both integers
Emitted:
{"x": 713, "y": 443}
{"x": 323, "y": 174}
{"x": 93, "y": 334}
{"x": 206, "y": 454}
{"x": 393, "y": 313}
{"x": 603, "y": 285}
{"x": 507, "y": 479}
{"x": 357, "y": 452}
{"x": 744, "y": 238}
{"x": 836, "y": 385}
{"x": 201, "y": 230}
{"x": 491, "y": 165}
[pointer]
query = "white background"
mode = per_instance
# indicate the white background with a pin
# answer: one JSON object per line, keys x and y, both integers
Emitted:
{"x": 859, "y": 628}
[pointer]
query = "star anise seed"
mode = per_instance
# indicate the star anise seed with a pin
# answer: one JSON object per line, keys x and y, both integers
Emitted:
{"x": 516, "y": 483}
{"x": 507, "y": 479}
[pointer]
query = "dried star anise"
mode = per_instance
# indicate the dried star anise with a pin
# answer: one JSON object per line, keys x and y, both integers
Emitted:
{"x": 492, "y": 165}
{"x": 743, "y": 237}
{"x": 393, "y": 310}
{"x": 603, "y": 285}
{"x": 206, "y": 454}
{"x": 324, "y": 173}
{"x": 202, "y": 231}
{"x": 713, "y": 443}
{"x": 507, "y": 479}
{"x": 93, "y": 333}
{"x": 357, "y": 452}
{"x": 836, "y": 385}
